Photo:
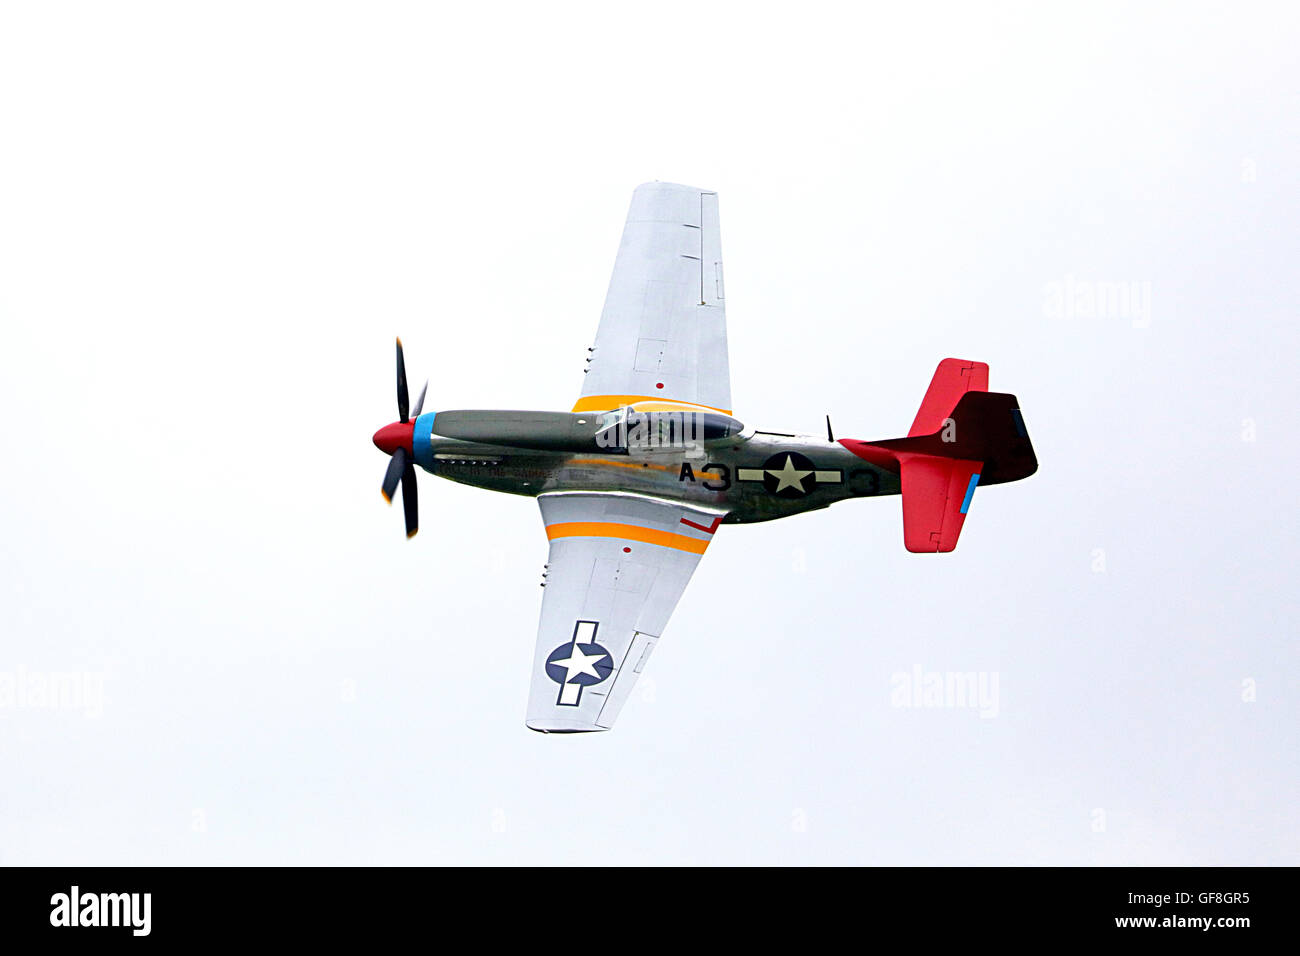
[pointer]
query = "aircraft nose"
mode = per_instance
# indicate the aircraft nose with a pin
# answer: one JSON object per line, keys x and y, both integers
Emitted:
{"x": 392, "y": 437}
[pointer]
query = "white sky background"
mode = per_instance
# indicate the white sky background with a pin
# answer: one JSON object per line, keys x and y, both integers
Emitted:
{"x": 214, "y": 219}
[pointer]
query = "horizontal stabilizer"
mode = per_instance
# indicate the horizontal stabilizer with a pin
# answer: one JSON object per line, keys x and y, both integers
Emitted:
{"x": 936, "y": 495}
{"x": 985, "y": 427}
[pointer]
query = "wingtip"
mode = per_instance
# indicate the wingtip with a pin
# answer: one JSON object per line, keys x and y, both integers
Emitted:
{"x": 563, "y": 727}
{"x": 665, "y": 184}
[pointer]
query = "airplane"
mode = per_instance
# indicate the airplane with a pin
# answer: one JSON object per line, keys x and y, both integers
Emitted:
{"x": 634, "y": 482}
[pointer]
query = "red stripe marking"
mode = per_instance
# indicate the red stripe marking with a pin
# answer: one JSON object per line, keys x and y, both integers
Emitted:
{"x": 699, "y": 527}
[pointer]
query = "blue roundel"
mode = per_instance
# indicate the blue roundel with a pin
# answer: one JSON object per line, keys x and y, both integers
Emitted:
{"x": 574, "y": 663}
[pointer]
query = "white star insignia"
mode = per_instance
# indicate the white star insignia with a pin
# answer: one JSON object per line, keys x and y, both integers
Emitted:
{"x": 580, "y": 663}
{"x": 789, "y": 476}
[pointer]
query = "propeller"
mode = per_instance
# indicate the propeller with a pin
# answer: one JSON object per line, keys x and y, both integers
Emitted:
{"x": 396, "y": 440}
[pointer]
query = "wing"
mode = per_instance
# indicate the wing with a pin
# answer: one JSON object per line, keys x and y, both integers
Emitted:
{"x": 618, "y": 564}
{"x": 663, "y": 331}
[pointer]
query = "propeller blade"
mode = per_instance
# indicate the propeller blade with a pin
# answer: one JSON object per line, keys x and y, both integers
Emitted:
{"x": 410, "y": 500}
{"x": 419, "y": 402}
{"x": 403, "y": 399}
{"x": 396, "y": 468}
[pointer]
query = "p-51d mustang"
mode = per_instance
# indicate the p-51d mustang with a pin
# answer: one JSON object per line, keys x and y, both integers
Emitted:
{"x": 635, "y": 481}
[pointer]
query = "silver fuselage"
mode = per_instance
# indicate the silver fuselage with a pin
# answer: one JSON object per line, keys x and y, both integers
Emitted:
{"x": 752, "y": 476}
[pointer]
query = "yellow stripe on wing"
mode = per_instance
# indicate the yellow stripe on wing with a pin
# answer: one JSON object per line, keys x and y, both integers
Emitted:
{"x": 628, "y": 532}
{"x": 606, "y": 403}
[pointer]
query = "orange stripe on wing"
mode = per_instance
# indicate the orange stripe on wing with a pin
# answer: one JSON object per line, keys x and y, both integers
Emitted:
{"x": 605, "y": 403}
{"x": 630, "y": 532}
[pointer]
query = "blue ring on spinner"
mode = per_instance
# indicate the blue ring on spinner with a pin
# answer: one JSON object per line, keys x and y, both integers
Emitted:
{"x": 422, "y": 440}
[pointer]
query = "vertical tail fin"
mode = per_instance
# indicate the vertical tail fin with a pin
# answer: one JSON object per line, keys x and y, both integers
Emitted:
{"x": 952, "y": 379}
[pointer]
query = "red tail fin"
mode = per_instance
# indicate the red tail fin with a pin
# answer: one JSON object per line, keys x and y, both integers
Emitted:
{"x": 963, "y": 436}
{"x": 936, "y": 494}
{"x": 952, "y": 379}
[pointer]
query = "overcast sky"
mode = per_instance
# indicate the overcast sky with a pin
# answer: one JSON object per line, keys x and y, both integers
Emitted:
{"x": 214, "y": 219}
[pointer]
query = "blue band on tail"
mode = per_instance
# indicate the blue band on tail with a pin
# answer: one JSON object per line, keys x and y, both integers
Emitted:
{"x": 970, "y": 491}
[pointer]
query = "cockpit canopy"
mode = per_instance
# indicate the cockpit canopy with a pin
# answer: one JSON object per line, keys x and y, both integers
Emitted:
{"x": 629, "y": 429}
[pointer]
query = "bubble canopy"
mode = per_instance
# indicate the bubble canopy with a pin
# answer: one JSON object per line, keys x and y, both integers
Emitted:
{"x": 629, "y": 426}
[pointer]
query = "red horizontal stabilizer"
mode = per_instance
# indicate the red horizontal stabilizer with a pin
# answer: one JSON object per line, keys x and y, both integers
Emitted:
{"x": 952, "y": 379}
{"x": 936, "y": 495}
